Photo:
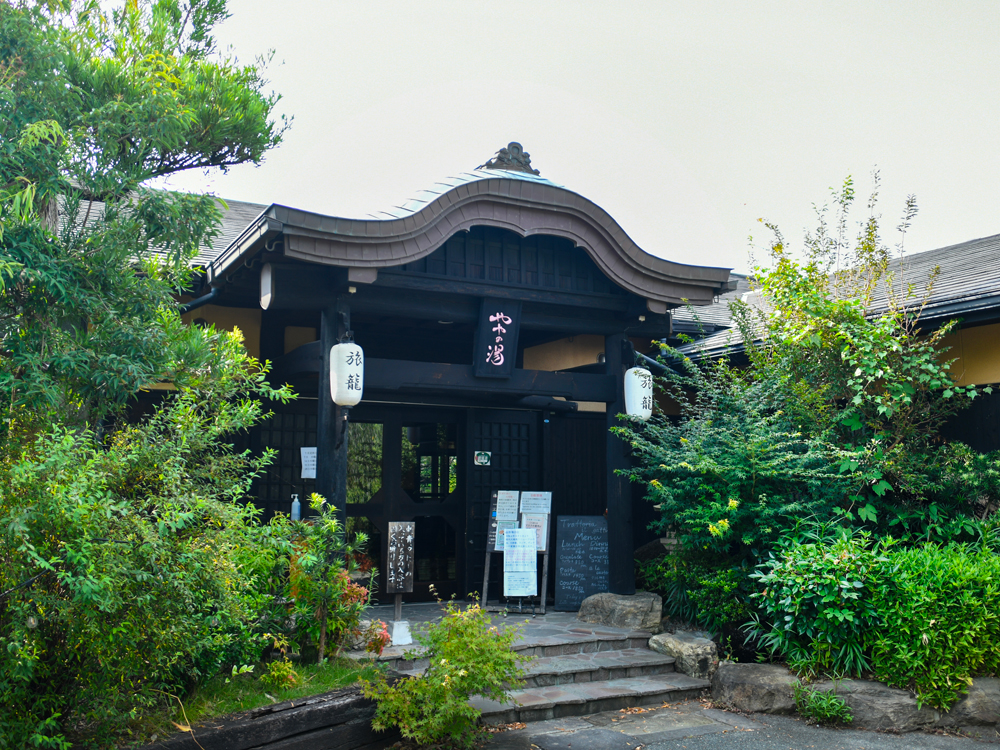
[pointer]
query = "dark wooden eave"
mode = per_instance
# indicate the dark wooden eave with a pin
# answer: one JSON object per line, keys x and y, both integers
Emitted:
{"x": 524, "y": 204}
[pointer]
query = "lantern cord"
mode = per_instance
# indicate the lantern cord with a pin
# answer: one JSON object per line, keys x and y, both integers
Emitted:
{"x": 343, "y": 428}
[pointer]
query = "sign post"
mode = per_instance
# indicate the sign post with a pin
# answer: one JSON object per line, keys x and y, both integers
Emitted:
{"x": 399, "y": 577}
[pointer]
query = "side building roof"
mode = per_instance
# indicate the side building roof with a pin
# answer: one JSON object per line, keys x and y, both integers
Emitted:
{"x": 966, "y": 285}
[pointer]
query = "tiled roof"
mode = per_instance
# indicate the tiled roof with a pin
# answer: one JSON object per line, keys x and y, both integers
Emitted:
{"x": 236, "y": 216}
{"x": 716, "y": 315}
{"x": 484, "y": 197}
{"x": 969, "y": 271}
{"x": 424, "y": 197}
{"x": 968, "y": 281}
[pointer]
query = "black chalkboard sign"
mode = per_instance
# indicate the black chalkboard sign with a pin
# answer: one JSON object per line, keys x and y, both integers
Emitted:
{"x": 581, "y": 559}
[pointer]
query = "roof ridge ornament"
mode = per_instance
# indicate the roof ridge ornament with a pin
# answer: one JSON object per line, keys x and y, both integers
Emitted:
{"x": 513, "y": 158}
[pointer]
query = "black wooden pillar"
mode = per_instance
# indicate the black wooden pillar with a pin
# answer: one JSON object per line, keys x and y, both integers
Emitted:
{"x": 621, "y": 568}
{"x": 331, "y": 460}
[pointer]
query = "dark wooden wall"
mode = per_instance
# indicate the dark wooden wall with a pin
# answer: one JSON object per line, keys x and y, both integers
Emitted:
{"x": 979, "y": 425}
{"x": 512, "y": 438}
{"x": 503, "y": 257}
{"x": 291, "y": 427}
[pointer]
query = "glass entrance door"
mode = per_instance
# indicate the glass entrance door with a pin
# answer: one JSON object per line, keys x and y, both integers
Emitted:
{"x": 404, "y": 466}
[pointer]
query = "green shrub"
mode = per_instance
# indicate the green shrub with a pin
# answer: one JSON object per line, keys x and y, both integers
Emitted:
{"x": 467, "y": 658}
{"x": 328, "y": 604}
{"x": 817, "y": 601}
{"x": 127, "y": 568}
{"x": 940, "y": 612}
{"x": 822, "y": 707}
{"x": 926, "y": 618}
{"x": 708, "y": 596}
{"x": 732, "y": 473}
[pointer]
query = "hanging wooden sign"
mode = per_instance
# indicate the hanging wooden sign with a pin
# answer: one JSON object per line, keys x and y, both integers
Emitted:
{"x": 496, "y": 338}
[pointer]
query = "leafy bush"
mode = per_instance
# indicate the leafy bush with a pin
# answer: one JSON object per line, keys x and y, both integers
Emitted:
{"x": 940, "y": 612}
{"x": 821, "y": 408}
{"x": 924, "y": 618}
{"x": 818, "y": 604}
{"x": 467, "y": 658}
{"x": 733, "y": 472}
{"x": 711, "y": 597}
{"x": 328, "y": 604}
{"x": 820, "y": 706}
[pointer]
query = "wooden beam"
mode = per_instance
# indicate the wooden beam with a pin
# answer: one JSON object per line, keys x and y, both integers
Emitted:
{"x": 619, "y": 302}
{"x": 621, "y": 565}
{"x": 392, "y": 375}
{"x": 331, "y": 450}
{"x": 404, "y": 375}
{"x": 289, "y": 287}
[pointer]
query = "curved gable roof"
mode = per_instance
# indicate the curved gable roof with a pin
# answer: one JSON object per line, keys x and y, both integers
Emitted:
{"x": 523, "y": 203}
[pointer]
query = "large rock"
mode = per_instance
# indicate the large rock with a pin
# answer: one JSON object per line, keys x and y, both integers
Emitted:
{"x": 979, "y": 707}
{"x": 639, "y": 611}
{"x": 696, "y": 656}
{"x": 877, "y": 706}
{"x": 755, "y": 688}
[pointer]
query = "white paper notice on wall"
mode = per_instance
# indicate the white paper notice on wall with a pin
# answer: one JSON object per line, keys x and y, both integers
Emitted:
{"x": 536, "y": 502}
{"x": 308, "y": 462}
{"x": 540, "y": 523}
{"x": 507, "y": 505}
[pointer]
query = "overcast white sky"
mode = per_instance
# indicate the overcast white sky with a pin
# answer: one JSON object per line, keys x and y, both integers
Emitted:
{"x": 686, "y": 121}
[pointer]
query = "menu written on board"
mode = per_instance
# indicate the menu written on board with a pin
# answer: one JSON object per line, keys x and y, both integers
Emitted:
{"x": 581, "y": 559}
{"x": 399, "y": 560}
{"x": 308, "y": 456}
{"x": 536, "y": 502}
{"x": 520, "y": 563}
{"x": 540, "y": 523}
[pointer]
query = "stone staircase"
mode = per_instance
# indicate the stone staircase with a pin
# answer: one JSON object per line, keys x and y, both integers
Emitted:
{"x": 581, "y": 671}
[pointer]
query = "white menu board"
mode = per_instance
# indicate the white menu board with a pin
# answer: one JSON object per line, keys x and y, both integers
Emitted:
{"x": 516, "y": 583}
{"x": 520, "y": 563}
{"x": 536, "y": 502}
{"x": 507, "y": 506}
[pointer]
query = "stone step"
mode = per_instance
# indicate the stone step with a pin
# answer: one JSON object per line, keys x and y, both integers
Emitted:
{"x": 581, "y": 641}
{"x": 571, "y": 669}
{"x": 583, "y": 668}
{"x": 574, "y": 641}
{"x": 559, "y": 701}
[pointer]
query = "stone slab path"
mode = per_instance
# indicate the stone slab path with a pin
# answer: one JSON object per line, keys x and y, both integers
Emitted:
{"x": 689, "y": 725}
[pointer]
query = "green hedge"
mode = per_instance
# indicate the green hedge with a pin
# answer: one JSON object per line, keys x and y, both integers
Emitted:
{"x": 925, "y": 618}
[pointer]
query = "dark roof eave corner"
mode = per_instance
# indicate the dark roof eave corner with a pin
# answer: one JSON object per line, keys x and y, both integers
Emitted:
{"x": 251, "y": 240}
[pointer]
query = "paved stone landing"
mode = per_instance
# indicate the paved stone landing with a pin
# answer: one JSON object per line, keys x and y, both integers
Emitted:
{"x": 623, "y": 730}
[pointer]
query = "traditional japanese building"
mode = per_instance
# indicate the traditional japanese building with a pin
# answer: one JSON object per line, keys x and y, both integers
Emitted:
{"x": 497, "y": 311}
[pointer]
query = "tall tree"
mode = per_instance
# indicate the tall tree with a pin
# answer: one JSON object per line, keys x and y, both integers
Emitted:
{"x": 94, "y": 103}
{"x": 127, "y": 572}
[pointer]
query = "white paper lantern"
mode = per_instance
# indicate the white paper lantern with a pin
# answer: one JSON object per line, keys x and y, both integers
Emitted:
{"x": 639, "y": 393}
{"x": 347, "y": 374}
